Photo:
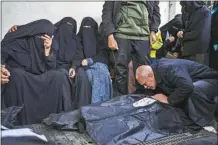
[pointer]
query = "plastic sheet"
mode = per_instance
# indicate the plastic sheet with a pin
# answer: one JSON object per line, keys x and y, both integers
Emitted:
{"x": 117, "y": 121}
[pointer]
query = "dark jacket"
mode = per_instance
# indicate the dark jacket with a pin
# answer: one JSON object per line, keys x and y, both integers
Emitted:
{"x": 111, "y": 10}
{"x": 175, "y": 77}
{"x": 196, "y": 38}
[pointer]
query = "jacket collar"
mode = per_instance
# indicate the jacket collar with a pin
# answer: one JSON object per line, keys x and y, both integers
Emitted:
{"x": 156, "y": 72}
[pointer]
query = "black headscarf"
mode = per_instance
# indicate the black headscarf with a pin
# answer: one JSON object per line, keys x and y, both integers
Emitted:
{"x": 88, "y": 33}
{"x": 25, "y": 47}
{"x": 65, "y": 35}
{"x": 188, "y": 10}
{"x": 191, "y": 6}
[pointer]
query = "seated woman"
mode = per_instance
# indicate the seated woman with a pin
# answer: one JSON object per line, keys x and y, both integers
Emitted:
{"x": 69, "y": 58}
{"x": 28, "y": 57}
{"x": 96, "y": 62}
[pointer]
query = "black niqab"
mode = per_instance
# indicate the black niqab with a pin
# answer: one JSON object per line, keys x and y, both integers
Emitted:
{"x": 26, "y": 47}
{"x": 65, "y": 35}
{"x": 88, "y": 33}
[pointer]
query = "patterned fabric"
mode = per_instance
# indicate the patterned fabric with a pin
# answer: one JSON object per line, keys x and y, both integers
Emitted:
{"x": 99, "y": 77}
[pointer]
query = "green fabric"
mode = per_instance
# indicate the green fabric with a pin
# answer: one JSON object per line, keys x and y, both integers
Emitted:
{"x": 133, "y": 22}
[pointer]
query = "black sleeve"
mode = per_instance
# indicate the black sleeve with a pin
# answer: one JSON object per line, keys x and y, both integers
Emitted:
{"x": 103, "y": 52}
{"x": 178, "y": 46}
{"x": 179, "y": 78}
{"x": 202, "y": 21}
{"x": 50, "y": 60}
{"x": 79, "y": 56}
{"x": 4, "y": 56}
{"x": 155, "y": 18}
{"x": 108, "y": 24}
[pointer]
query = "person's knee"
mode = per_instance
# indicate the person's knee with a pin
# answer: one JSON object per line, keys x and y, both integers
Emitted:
{"x": 16, "y": 74}
{"x": 57, "y": 75}
{"x": 209, "y": 88}
{"x": 81, "y": 75}
{"x": 62, "y": 70}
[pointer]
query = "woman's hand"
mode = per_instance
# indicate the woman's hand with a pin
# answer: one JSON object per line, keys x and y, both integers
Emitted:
{"x": 84, "y": 62}
{"x": 47, "y": 44}
{"x": 72, "y": 73}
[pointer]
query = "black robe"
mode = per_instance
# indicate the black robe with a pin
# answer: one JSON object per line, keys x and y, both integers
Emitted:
{"x": 65, "y": 35}
{"x": 197, "y": 27}
{"x": 94, "y": 46}
{"x": 214, "y": 34}
{"x": 34, "y": 82}
{"x": 70, "y": 55}
{"x": 96, "y": 54}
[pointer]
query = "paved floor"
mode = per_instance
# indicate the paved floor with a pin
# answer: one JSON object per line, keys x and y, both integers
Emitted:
{"x": 75, "y": 138}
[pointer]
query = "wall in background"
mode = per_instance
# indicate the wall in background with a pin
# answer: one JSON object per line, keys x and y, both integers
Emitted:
{"x": 24, "y": 12}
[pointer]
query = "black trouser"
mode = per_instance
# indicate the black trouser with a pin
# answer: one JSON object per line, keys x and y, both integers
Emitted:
{"x": 136, "y": 50}
{"x": 201, "y": 105}
{"x": 200, "y": 58}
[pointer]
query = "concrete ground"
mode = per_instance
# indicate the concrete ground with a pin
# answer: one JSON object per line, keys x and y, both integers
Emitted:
{"x": 75, "y": 138}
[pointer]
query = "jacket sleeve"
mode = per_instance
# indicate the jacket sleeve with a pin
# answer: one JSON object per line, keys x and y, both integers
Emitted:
{"x": 184, "y": 87}
{"x": 201, "y": 23}
{"x": 107, "y": 18}
{"x": 155, "y": 18}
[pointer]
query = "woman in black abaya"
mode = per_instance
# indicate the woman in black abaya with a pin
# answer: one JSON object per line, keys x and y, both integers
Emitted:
{"x": 96, "y": 62}
{"x": 69, "y": 58}
{"x": 29, "y": 54}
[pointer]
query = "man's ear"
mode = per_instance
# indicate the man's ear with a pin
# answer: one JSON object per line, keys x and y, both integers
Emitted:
{"x": 136, "y": 77}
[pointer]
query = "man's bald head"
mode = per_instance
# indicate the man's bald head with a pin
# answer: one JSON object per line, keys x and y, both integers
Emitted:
{"x": 145, "y": 76}
{"x": 143, "y": 71}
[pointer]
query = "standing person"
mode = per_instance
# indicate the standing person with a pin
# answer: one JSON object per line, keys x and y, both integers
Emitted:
{"x": 128, "y": 26}
{"x": 196, "y": 36}
{"x": 214, "y": 34}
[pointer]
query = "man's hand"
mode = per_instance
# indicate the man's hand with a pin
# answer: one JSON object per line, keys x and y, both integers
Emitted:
{"x": 84, "y": 62}
{"x": 72, "y": 73}
{"x": 161, "y": 98}
{"x": 171, "y": 38}
{"x": 47, "y": 44}
{"x": 4, "y": 75}
{"x": 112, "y": 43}
{"x": 13, "y": 28}
{"x": 153, "y": 37}
{"x": 175, "y": 54}
{"x": 180, "y": 34}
